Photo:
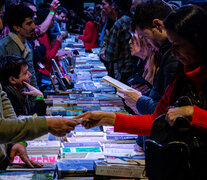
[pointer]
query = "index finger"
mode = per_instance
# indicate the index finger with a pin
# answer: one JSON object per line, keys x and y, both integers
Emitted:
{"x": 25, "y": 158}
{"x": 27, "y": 85}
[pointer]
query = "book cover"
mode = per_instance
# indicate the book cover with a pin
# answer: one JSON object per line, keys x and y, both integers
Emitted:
{"x": 81, "y": 144}
{"x": 80, "y": 150}
{"x": 75, "y": 167}
{"x": 88, "y": 134}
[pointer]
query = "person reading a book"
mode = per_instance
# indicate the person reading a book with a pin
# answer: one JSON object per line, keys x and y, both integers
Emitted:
{"x": 145, "y": 68}
{"x": 15, "y": 77}
{"x": 186, "y": 29}
{"x": 148, "y": 20}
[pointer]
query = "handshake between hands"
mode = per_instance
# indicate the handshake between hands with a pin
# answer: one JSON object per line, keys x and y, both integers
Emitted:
{"x": 60, "y": 126}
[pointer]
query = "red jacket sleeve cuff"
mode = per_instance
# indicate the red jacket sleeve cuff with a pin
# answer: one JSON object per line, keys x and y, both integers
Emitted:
{"x": 132, "y": 124}
{"x": 199, "y": 118}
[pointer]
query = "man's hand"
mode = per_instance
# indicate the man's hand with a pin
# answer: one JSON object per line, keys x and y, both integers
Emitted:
{"x": 20, "y": 150}
{"x": 60, "y": 126}
{"x": 173, "y": 113}
{"x": 54, "y": 6}
{"x": 96, "y": 118}
{"x": 32, "y": 90}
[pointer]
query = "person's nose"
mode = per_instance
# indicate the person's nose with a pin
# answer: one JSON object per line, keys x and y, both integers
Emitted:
{"x": 33, "y": 26}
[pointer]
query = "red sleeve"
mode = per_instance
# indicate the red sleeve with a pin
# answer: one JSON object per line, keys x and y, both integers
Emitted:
{"x": 50, "y": 52}
{"x": 141, "y": 124}
{"x": 87, "y": 33}
{"x": 199, "y": 119}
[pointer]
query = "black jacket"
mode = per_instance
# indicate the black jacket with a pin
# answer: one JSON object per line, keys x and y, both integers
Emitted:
{"x": 22, "y": 104}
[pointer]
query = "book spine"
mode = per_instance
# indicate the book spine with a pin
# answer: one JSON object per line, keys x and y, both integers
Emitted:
{"x": 120, "y": 171}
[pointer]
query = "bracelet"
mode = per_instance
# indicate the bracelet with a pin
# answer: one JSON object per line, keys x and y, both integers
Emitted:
{"x": 24, "y": 143}
{"x": 53, "y": 13}
{"x": 40, "y": 98}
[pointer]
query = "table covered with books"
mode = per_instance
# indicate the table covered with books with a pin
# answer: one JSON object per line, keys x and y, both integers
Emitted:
{"x": 96, "y": 153}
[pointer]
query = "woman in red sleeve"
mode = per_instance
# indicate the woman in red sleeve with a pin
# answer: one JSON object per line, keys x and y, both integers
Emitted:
{"x": 186, "y": 30}
{"x": 45, "y": 40}
{"x": 90, "y": 37}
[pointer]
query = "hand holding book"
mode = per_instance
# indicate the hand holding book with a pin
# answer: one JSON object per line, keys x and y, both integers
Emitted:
{"x": 131, "y": 97}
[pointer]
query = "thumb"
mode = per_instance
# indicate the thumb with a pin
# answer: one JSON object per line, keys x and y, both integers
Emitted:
{"x": 121, "y": 90}
{"x": 12, "y": 154}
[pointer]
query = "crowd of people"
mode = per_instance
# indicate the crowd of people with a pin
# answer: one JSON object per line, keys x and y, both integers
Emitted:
{"x": 156, "y": 47}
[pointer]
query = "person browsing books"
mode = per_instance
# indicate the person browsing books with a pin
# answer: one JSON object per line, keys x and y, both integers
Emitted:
{"x": 186, "y": 29}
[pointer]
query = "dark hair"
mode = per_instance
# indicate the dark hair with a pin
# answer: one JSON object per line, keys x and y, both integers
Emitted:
{"x": 2, "y": 2}
{"x": 109, "y": 1}
{"x": 42, "y": 15}
{"x": 17, "y": 15}
{"x": 89, "y": 16}
{"x": 147, "y": 11}
{"x": 190, "y": 22}
{"x": 62, "y": 10}
{"x": 27, "y": 3}
{"x": 10, "y": 65}
{"x": 123, "y": 5}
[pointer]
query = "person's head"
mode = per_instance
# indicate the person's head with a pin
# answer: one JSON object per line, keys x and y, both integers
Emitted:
{"x": 123, "y": 6}
{"x": 72, "y": 13}
{"x": 97, "y": 10}
{"x": 30, "y": 5}
{"x": 148, "y": 20}
{"x": 14, "y": 71}
{"x": 89, "y": 16}
{"x": 42, "y": 15}
{"x": 107, "y": 7}
{"x": 138, "y": 46}
{"x": 186, "y": 29}
{"x": 61, "y": 14}
{"x": 20, "y": 21}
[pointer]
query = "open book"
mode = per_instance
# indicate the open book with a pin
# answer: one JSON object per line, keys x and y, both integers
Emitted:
{"x": 117, "y": 84}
